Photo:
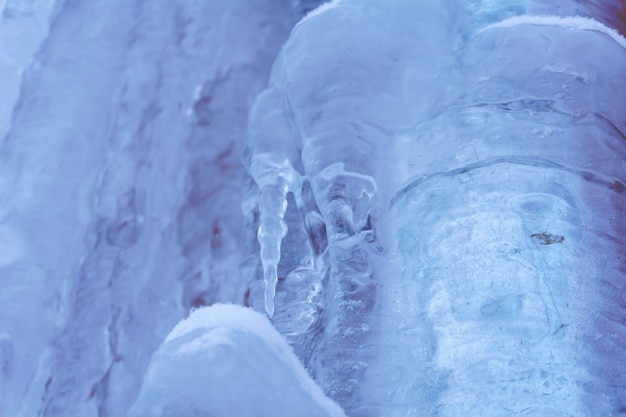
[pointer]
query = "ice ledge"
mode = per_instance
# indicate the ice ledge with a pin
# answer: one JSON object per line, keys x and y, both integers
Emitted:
{"x": 572, "y": 23}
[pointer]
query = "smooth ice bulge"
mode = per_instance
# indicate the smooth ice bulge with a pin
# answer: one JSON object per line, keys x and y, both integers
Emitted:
{"x": 519, "y": 235}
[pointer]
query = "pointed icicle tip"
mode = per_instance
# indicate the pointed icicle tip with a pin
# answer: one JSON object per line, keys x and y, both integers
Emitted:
{"x": 271, "y": 278}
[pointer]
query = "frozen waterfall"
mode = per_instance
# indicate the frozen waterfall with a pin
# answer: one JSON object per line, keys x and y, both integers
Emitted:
{"x": 418, "y": 208}
{"x": 466, "y": 167}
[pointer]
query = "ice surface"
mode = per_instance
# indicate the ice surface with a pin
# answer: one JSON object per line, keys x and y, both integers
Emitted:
{"x": 301, "y": 8}
{"x": 23, "y": 26}
{"x": 466, "y": 160}
{"x": 572, "y": 23}
{"x": 227, "y": 360}
{"x": 432, "y": 209}
{"x": 337, "y": 103}
{"x": 120, "y": 186}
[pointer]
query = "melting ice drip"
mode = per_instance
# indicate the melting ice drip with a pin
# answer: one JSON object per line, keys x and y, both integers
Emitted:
{"x": 467, "y": 164}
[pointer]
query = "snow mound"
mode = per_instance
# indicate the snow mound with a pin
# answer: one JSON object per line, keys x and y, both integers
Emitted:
{"x": 227, "y": 360}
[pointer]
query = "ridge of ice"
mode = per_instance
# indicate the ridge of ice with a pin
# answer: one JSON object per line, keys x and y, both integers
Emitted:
{"x": 573, "y": 23}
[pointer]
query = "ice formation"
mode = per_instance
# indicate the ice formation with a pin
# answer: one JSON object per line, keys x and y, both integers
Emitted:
{"x": 432, "y": 194}
{"x": 467, "y": 161}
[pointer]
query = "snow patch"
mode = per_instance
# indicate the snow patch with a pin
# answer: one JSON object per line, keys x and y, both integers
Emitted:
{"x": 229, "y": 360}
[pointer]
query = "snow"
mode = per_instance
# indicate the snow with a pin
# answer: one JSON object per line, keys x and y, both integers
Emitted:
{"x": 228, "y": 360}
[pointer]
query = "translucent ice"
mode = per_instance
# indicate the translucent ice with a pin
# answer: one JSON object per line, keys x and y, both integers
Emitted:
{"x": 434, "y": 207}
{"x": 466, "y": 162}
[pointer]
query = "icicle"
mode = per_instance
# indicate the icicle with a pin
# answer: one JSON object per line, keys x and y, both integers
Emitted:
{"x": 273, "y": 148}
{"x": 275, "y": 180}
{"x": 272, "y": 230}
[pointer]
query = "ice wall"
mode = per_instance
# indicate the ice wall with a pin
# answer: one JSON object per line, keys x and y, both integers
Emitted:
{"x": 121, "y": 186}
{"x": 459, "y": 168}
{"x": 519, "y": 251}
{"x": 433, "y": 205}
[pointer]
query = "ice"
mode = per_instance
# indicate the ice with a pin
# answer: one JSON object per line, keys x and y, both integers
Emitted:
{"x": 274, "y": 176}
{"x": 342, "y": 101}
{"x": 320, "y": 9}
{"x": 302, "y": 8}
{"x": 572, "y": 23}
{"x": 429, "y": 207}
{"x": 486, "y": 12}
{"x": 120, "y": 186}
{"x": 23, "y": 26}
{"x": 228, "y": 360}
{"x": 465, "y": 160}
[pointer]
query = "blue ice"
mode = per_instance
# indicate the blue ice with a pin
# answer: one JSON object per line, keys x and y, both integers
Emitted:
{"x": 424, "y": 199}
{"x": 467, "y": 160}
